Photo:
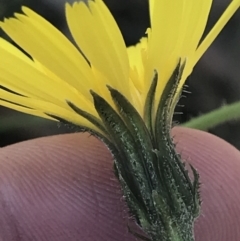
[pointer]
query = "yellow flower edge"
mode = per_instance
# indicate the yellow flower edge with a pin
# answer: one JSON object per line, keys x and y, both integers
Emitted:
{"x": 55, "y": 71}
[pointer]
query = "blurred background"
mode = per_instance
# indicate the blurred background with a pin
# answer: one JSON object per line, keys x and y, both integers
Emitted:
{"x": 214, "y": 82}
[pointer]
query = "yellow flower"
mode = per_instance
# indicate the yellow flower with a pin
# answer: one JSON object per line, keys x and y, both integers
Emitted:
{"x": 55, "y": 72}
{"x": 92, "y": 84}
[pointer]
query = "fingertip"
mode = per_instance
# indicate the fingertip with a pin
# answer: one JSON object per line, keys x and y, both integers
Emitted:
{"x": 63, "y": 188}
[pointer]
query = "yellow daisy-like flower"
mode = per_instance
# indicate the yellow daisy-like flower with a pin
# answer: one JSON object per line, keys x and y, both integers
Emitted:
{"x": 125, "y": 96}
{"x": 57, "y": 71}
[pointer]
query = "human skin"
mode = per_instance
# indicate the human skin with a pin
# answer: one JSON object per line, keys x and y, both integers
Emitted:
{"x": 62, "y": 188}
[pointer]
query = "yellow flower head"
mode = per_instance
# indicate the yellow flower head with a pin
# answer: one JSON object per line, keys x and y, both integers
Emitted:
{"x": 111, "y": 91}
{"x": 55, "y": 73}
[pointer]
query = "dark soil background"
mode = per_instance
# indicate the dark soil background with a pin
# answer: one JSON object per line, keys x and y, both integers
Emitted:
{"x": 214, "y": 82}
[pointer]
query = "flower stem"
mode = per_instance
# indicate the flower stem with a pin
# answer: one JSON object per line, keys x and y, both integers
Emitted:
{"x": 215, "y": 117}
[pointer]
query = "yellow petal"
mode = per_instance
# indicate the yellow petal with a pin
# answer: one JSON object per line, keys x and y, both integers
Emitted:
{"x": 176, "y": 28}
{"x": 98, "y": 36}
{"x": 20, "y": 74}
{"x": 51, "y": 48}
{"x": 151, "y": 7}
{"x": 41, "y": 108}
{"x": 137, "y": 61}
{"x": 193, "y": 26}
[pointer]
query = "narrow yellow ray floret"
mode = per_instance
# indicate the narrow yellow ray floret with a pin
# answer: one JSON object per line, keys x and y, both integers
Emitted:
{"x": 57, "y": 71}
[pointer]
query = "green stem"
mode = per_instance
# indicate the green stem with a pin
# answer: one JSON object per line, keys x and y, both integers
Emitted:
{"x": 215, "y": 117}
